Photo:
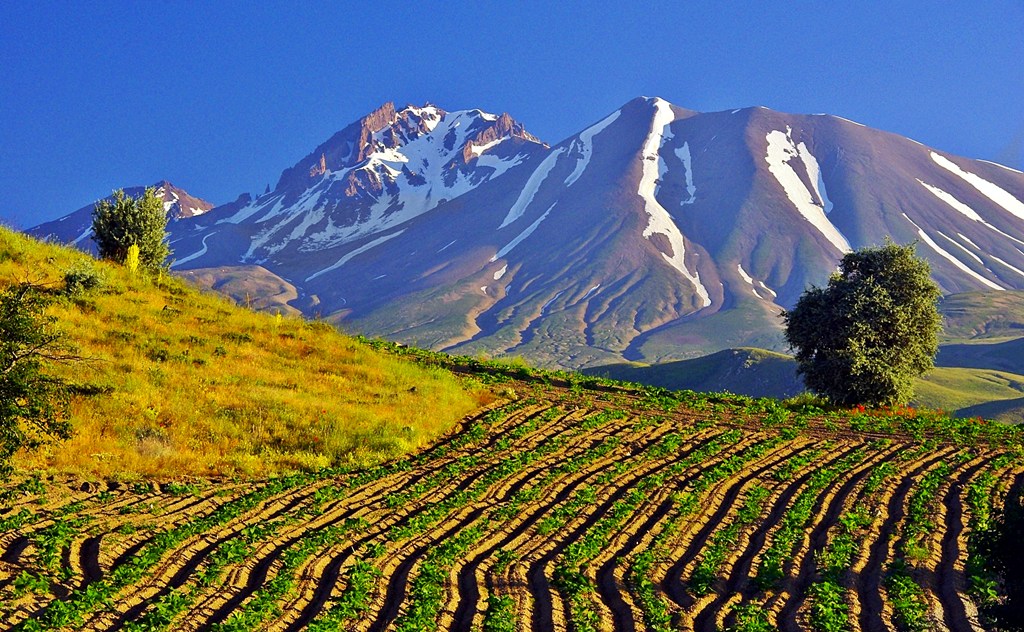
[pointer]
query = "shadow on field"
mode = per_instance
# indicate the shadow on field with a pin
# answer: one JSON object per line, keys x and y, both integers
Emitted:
{"x": 1006, "y": 552}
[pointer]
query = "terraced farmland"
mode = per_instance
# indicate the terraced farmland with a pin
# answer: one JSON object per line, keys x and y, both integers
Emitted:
{"x": 569, "y": 509}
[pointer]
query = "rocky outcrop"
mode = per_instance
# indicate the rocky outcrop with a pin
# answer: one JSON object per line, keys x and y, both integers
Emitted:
{"x": 320, "y": 168}
{"x": 504, "y": 127}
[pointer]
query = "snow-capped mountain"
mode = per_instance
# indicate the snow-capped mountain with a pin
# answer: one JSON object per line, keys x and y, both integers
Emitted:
{"x": 656, "y": 233}
{"x": 376, "y": 174}
{"x": 77, "y": 227}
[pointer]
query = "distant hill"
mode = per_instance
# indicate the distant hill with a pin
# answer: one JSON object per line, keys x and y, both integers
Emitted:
{"x": 744, "y": 371}
{"x": 983, "y": 315}
{"x": 761, "y": 373}
{"x": 1009, "y": 411}
{"x": 254, "y": 287}
{"x": 1004, "y": 355}
{"x": 177, "y": 382}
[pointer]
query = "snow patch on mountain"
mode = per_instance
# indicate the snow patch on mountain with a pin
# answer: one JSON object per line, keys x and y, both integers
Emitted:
{"x": 499, "y": 165}
{"x": 964, "y": 248}
{"x": 584, "y": 145}
{"x": 551, "y": 300}
{"x": 994, "y": 192}
{"x": 195, "y": 255}
{"x": 782, "y": 150}
{"x": 86, "y": 233}
{"x": 405, "y": 168}
{"x": 966, "y": 210}
{"x": 476, "y": 150}
{"x": 1017, "y": 270}
{"x": 849, "y": 121}
{"x": 501, "y": 273}
{"x": 521, "y": 236}
{"x": 683, "y": 153}
{"x": 275, "y": 202}
{"x": 989, "y": 162}
{"x": 532, "y": 186}
{"x": 749, "y": 279}
{"x": 954, "y": 203}
{"x": 956, "y": 262}
{"x": 428, "y": 114}
{"x": 660, "y": 221}
{"x": 358, "y": 251}
{"x": 815, "y": 176}
{"x": 589, "y": 293}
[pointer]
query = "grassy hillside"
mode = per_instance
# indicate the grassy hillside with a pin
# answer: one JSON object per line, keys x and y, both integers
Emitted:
{"x": 186, "y": 383}
{"x": 956, "y": 388}
{"x": 974, "y": 315}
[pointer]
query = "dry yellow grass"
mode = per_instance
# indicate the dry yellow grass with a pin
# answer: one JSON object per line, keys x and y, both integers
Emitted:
{"x": 190, "y": 384}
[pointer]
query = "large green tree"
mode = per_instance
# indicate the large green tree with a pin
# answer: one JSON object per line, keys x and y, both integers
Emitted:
{"x": 33, "y": 405}
{"x": 866, "y": 336}
{"x": 125, "y": 221}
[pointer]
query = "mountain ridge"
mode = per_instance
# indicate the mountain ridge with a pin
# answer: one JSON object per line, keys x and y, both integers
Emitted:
{"x": 656, "y": 233}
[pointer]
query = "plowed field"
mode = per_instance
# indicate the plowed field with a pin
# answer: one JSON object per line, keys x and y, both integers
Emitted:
{"x": 564, "y": 511}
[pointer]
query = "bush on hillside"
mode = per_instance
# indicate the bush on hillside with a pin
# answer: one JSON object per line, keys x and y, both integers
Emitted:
{"x": 864, "y": 338}
{"x": 33, "y": 405}
{"x": 125, "y": 221}
{"x": 82, "y": 277}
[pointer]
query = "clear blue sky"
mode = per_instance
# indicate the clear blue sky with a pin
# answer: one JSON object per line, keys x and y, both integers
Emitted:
{"x": 219, "y": 97}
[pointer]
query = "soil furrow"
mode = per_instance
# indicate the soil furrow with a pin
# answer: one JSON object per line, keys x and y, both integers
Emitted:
{"x": 838, "y": 501}
{"x": 738, "y": 569}
{"x": 722, "y": 503}
{"x": 950, "y": 582}
{"x": 869, "y": 579}
{"x": 469, "y": 592}
{"x": 537, "y": 575}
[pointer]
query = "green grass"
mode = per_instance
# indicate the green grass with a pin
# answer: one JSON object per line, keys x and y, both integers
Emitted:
{"x": 973, "y": 315}
{"x": 954, "y": 389}
{"x": 182, "y": 382}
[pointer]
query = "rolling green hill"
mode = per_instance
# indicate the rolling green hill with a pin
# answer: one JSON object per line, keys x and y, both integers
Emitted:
{"x": 990, "y": 314}
{"x": 744, "y": 371}
{"x": 1009, "y": 411}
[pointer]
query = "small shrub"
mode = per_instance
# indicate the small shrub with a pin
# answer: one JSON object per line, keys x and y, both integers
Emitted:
{"x": 83, "y": 277}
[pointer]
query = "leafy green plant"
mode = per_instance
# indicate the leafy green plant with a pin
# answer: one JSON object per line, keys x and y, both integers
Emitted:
{"x": 750, "y": 617}
{"x": 500, "y": 614}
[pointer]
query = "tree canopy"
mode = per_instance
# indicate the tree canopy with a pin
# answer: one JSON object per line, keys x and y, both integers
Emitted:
{"x": 33, "y": 406}
{"x": 866, "y": 336}
{"x": 125, "y": 221}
